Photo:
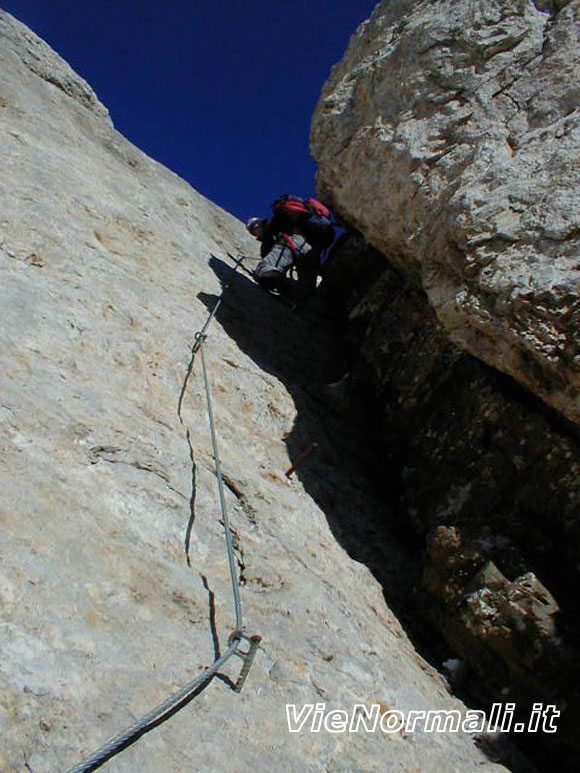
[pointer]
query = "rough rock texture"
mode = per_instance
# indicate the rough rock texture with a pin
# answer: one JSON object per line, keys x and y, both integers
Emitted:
{"x": 450, "y": 136}
{"x": 106, "y": 273}
{"x": 492, "y": 619}
{"x": 482, "y": 478}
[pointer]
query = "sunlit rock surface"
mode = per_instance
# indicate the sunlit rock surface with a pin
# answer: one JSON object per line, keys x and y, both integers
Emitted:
{"x": 106, "y": 273}
{"x": 449, "y": 135}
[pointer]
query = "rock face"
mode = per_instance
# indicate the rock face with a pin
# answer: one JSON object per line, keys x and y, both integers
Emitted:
{"x": 450, "y": 136}
{"x": 109, "y": 265}
{"x": 482, "y": 480}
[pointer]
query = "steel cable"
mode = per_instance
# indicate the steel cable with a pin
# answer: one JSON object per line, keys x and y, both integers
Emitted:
{"x": 218, "y": 472}
{"x": 155, "y": 717}
{"x": 179, "y": 699}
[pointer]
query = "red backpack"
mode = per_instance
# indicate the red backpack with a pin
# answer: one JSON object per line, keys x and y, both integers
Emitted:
{"x": 295, "y": 208}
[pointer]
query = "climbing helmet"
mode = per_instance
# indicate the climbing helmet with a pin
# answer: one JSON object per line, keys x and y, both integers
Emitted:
{"x": 253, "y": 224}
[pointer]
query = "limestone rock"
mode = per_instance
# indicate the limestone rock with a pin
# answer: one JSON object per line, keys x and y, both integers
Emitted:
{"x": 109, "y": 264}
{"x": 450, "y": 136}
{"x": 491, "y": 619}
{"x": 481, "y": 477}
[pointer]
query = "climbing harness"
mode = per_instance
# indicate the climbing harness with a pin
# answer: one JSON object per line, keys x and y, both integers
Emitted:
{"x": 178, "y": 700}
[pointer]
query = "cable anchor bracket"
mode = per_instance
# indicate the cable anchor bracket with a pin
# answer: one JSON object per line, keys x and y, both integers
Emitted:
{"x": 247, "y": 655}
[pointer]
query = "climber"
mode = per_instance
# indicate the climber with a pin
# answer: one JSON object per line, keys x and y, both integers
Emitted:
{"x": 307, "y": 217}
{"x": 285, "y": 252}
{"x": 294, "y": 217}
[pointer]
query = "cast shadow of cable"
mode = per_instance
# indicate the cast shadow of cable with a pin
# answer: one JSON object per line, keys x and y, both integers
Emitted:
{"x": 214, "y": 632}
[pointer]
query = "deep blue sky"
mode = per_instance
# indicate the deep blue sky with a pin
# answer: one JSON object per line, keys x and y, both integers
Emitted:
{"x": 220, "y": 91}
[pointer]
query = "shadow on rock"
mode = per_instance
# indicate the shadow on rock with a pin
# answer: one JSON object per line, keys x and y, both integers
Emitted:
{"x": 306, "y": 348}
{"x": 358, "y": 487}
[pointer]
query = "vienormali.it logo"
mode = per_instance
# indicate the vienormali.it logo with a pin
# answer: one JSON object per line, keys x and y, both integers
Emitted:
{"x": 314, "y": 718}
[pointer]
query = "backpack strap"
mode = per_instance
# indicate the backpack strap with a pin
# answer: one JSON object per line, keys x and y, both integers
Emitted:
{"x": 289, "y": 243}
